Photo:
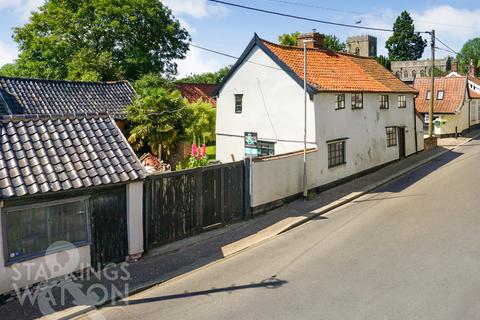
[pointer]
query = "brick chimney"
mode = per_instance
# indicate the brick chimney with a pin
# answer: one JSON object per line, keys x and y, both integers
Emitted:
{"x": 454, "y": 65}
{"x": 317, "y": 43}
{"x": 472, "y": 69}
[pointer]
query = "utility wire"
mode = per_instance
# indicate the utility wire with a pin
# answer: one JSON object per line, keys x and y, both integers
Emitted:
{"x": 299, "y": 17}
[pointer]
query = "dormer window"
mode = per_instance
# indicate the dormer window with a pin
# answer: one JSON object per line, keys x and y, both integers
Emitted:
{"x": 440, "y": 94}
{"x": 429, "y": 95}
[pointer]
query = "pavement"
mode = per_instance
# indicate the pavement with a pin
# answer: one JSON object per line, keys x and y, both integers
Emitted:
{"x": 406, "y": 250}
{"x": 201, "y": 252}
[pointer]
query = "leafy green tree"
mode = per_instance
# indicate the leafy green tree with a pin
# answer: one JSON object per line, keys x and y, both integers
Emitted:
{"x": 331, "y": 41}
{"x": 405, "y": 43}
{"x": 334, "y": 43}
{"x": 200, "y": 122}
{"x": 208, "y": 77}
{"x": 470, "y": 53}
{"x": 288, "y": 39}
{"x": 156, "y": 116}
{"x": 384, "y": 61}
{"x": 10, "y": 70}
{"x": 100, "y": 40}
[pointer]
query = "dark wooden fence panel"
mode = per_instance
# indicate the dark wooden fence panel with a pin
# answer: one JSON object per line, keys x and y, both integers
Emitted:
{"x": 180, "y": 204}
{"x": 109, "y": 227}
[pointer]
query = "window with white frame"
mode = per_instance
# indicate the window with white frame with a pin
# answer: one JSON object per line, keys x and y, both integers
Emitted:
{"x": 440, "y": 94}
{"x": 357, "y": 100}
{"x": 340, "y": 101}
{"x": 402, "y": 101}
{"x": 29, "y": 230}
{"x": 336, "y": 153}
{"x": 384, "y": 103}
{"x": 429, "y": 95}
{"x": 391, "y": 136}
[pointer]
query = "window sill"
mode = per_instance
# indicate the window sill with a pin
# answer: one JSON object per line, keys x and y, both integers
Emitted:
{"x": 40, "y": 254}
{"x": 393, "y": 145}
{"x": 357, "y": 108}
{"x": 337, "y": 165}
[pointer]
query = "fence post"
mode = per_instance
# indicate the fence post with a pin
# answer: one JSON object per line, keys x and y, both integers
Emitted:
{"x": 199, "y": 198}
{"x": 246, "y": 189}
{"x": 146, "y": 209}
{"x": 222, "y": 193}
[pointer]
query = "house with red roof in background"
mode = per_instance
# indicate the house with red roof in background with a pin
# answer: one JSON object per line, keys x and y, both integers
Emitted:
{"x": 195, "y": 91}
{"x": 456, "y": 102}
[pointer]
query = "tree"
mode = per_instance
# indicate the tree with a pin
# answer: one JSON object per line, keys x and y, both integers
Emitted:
{"x": 470, "y": 53}
{"x": 100, "y": 40}
{"x": 156, "y": 115}
{"x": 331, "y": 42}
{"x": 405, "y": 43}
{"x": 288, "y": 39}
{"x": 10, "y": 70}
{"x": 200, "y": 122}
{"x": 207, "y": 77}
{"x": 384, "y": 61}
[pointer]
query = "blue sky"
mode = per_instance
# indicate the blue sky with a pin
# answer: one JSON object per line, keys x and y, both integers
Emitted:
{"x": 229, "y": 29}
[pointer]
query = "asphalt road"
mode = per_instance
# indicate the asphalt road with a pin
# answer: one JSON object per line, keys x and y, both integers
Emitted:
{"x": 411, "y": 250}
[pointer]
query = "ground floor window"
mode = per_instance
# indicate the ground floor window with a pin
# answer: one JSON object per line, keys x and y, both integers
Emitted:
{"x": 391, "y": 136}
{"x": 30, "y": 230}
{"x": 266, "y": 148}
{"x": 336, "y": 153}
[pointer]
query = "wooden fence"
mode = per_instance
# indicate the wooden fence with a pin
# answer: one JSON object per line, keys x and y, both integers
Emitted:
{"x": 183, "y": 203}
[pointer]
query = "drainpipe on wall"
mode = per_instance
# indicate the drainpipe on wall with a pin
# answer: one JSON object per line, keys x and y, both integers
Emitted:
{"x": 415, "y": 125}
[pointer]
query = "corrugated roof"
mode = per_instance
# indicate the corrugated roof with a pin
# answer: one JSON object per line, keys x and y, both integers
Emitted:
{"x": 454, "y": 94}
{"x": 194, "y": 91}
{"x": 334, "y": 71}
{"x": 41, "y": 154}
{"x": 35, "y": 96}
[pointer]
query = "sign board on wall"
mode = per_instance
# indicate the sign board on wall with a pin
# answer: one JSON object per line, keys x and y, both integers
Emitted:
{"x": 251, "y": 142}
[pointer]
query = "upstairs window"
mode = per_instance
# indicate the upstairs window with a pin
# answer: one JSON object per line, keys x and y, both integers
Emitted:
{"x": 357, "y": 100}
{"x": 440, "y": 94}
{"x": 238, "y": 103}
{"x": 384, "y": 103}
{"x": 402, "y": 101}
{"x": 340, "y": 101}
{"x": 429, "y": 95}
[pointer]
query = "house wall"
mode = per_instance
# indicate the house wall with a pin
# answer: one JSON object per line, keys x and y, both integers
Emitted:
{"x": 450, "y": 121}
{"x": 474, "y": 112}
{"x": 39, "y": 269}
{"x": 366, "y": 147}
{"x": 135, "y": 217}
{"x": 273, "y": 105}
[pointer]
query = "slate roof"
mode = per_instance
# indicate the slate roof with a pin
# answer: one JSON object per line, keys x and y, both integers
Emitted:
{"x": 455, "y": 89}
{"x": 194, "y": 91}
{"x": 34, "y": 96}
{"x": 42, "y": 154}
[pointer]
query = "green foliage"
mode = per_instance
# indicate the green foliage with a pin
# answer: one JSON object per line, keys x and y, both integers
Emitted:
{"x": 100, "y": 40}
{"x": 200, "y": 122}
{"x": 208, "y": 77}
{"x": 405, "y": 43}
{"x": 384, "y": 61}
{"x": 156, "y": 115}
{"x": 470, "y": 52}
{"x": 331, "y": 41}
{"x": 288, "y": 39}
{"x": 192, "y": 162}
{"x": 10, "y": 70}
{"x": 439, "y": 73}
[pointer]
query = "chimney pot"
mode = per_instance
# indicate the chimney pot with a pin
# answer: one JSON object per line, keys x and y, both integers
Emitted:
{"x": 316, "y": 40}
{"x": 472, "y": 70}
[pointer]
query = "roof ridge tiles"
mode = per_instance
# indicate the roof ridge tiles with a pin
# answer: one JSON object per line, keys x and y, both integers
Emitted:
{"x": 65, "y": 116}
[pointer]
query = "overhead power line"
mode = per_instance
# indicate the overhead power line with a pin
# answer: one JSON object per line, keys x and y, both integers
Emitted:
{"x": 299, "y": 17}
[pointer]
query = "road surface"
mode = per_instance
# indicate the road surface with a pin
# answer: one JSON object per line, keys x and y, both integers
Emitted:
{"x": 411, "y": 250}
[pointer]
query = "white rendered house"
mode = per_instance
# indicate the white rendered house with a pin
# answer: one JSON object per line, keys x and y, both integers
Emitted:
{"x": 359, "y": 115}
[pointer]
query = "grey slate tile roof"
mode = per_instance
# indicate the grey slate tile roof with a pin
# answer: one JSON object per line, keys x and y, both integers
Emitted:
{"x": 35, "y": 96}
{"x": 42, "y": 154}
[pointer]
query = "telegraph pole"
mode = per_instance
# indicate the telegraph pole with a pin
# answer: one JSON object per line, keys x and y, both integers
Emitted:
{"x": 432, "y": 90}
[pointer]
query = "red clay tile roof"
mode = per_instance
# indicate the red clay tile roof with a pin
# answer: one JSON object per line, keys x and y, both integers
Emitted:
{"x": 194, "y": 91}
{"x": 334, "y": 71}
{"x": 454, "y": 88}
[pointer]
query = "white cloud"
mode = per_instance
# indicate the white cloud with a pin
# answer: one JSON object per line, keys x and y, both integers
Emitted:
{"x": 8, "y": 53}
{"x": 453, "y": 26}
{"x": 22, "y": 7}
{"x": 194, "y": 8}
{"x": 197, "y": 62}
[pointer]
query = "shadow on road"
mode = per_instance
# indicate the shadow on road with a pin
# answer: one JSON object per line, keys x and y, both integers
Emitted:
{"x": 271, "y": 283}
